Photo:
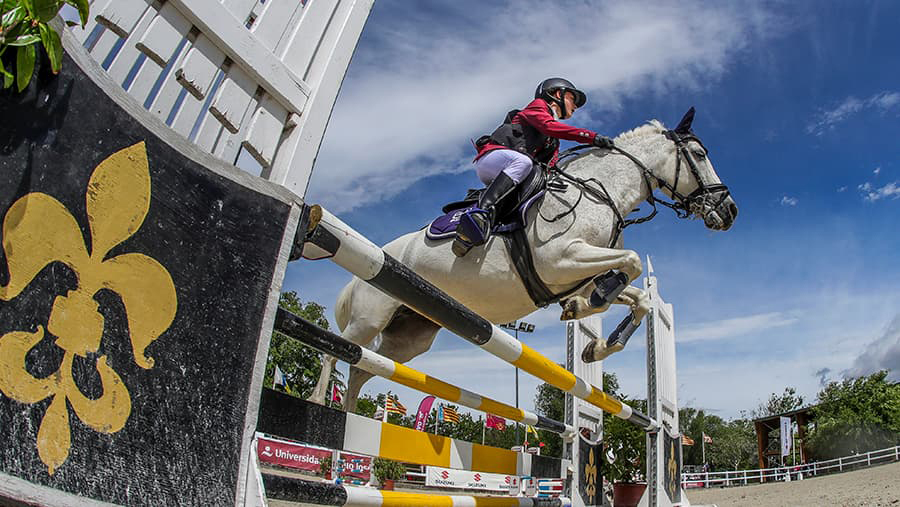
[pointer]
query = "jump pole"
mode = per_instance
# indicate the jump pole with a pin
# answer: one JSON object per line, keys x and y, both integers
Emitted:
{"x": 376, "y": 364}
{"x": 329, "y": 237}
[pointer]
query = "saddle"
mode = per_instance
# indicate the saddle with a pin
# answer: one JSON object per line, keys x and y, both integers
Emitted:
{"x": 511, "y": 227}
{"x": 511, "y": 215}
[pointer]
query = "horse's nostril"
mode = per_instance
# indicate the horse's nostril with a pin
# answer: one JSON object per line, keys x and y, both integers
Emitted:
{"x": 733, "y": 209}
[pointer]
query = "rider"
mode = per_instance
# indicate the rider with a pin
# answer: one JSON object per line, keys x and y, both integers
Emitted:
{"x": 506, "y": 157}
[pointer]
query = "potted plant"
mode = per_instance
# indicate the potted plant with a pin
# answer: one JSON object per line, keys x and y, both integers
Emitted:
{"x": 325, "y": 467}
{"x": 387, "y": 471}
{"x": 628, "y": 444}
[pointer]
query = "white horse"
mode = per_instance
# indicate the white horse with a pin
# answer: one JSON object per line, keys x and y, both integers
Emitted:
{"x": 584, "y": 242}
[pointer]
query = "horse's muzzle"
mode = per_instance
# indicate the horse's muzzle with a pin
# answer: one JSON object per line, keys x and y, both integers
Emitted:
{"x": 722, "y": 216}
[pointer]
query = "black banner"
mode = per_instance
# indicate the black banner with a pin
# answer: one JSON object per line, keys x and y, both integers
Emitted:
{"x": 590, "y": 473}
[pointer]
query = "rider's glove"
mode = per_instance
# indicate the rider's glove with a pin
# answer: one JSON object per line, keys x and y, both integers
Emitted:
{"x": 602, "y": 142}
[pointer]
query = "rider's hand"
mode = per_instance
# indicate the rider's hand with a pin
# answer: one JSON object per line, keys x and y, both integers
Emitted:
{"x": 602, "y": 142}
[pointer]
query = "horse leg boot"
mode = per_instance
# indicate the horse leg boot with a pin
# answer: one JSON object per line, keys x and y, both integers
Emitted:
{"x": 476, "y": 224}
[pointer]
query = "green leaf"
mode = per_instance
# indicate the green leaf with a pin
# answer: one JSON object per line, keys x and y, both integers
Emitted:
{"x": 53, "y": 45}
{"x": 14, "y": 16}
{"x": 25, "y": 40}
{"x": 24, "y": 66}
{"x": 29, "y": 6}
{"x": 45, "y": 10}
{"x": 83, "y": 7}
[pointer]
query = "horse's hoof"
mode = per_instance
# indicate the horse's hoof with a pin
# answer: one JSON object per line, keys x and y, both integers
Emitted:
{"x": 569, "y": 310}
{"x": 587, "y": 355}
{"x": 607, "y": 351}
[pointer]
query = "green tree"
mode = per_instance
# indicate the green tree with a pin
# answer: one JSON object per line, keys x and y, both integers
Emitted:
{"x": 733, "y": 447}
{"x": 779, "y": 404}
{"x": 628, "y": 443}
{"x": 694, "y": 423}
{"x": 856, "y": 415}
{"x": 550, "y": 402}
{"x": 301, "y": 365}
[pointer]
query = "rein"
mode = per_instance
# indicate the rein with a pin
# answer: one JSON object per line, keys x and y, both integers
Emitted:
{"x": 683, "y": 206}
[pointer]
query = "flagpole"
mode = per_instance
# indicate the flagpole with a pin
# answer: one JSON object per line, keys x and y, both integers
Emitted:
{"x": 703, "y": 446}
{"x": 482, "y": 431}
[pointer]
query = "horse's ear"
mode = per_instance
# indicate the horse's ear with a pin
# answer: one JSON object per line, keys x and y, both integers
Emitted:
{"x": 684, "y": 125}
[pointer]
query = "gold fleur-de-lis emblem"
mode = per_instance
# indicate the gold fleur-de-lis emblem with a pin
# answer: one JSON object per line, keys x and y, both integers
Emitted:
{"x": 672, "y": 465}
{"x": 39, "y": 230}
{"x": 590, "y": 475}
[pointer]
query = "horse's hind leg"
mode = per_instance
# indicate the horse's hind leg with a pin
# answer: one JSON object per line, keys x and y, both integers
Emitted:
{"x": 364, "y": 311}
{"x": 407, "y": 336}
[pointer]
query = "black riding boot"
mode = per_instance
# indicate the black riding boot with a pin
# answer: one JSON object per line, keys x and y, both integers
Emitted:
{"x": 475, "y": 226}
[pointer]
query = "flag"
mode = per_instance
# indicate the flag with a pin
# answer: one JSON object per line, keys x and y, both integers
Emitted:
{"x": 707, "y": 439}
{"x": 530, "y": 429}
{"x": 496, "y": 422}
{"x": 278, "y": 379}
{"x": 450, "y": 415}
{"x": 422, "y": 413}
{"x": 379, "y": 413}
{"x": 393, "y": 405}
{"x": 335, "y": 394}
{"x": 686, "y": 440}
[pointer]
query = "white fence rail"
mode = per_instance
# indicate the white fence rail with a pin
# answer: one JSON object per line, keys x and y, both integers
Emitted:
{"x": 232, "y": 76}
{"x": 744, "y": 477}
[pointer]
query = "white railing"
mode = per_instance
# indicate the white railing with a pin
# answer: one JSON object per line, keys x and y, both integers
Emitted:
{"x": 248, "y": 79}
{"x": 743, "y": 477}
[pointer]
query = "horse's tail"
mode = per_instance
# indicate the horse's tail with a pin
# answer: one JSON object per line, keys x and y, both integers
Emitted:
{"x": 342, "y": 306}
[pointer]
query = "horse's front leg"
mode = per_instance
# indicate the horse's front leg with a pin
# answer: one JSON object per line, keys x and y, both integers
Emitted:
{"x": 613, "y": 268}
{"x": 600, "y": 349}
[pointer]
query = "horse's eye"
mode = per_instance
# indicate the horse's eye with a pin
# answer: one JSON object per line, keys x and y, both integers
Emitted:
{"x": 700, "y": 154}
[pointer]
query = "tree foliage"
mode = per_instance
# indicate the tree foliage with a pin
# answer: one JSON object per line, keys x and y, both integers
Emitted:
{"x": 779, "y": 404}
{"x": 300, "y": 364}
{"x": 856, "y": 415}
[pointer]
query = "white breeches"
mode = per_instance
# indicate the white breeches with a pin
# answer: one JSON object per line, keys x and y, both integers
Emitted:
{"x": 516, "y": 165}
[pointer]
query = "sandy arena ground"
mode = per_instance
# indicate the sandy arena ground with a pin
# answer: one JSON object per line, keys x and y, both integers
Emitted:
{"x": 878, "y": 486}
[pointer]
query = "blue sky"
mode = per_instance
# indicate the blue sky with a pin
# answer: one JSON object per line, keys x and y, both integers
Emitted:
{"x": 798, "y": 102}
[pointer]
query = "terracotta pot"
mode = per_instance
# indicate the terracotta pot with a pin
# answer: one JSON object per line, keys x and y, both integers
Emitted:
{"x": 388, "y": 485}
{"x": 627, "y": 494}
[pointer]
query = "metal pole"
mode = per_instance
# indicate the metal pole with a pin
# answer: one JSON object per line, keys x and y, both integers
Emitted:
{"x": 517, "y": 391}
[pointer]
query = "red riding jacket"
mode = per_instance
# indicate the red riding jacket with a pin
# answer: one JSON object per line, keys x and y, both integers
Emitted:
{"x": 538, "y": 116}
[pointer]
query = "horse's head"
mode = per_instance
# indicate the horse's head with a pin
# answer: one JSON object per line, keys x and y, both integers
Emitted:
{"x": 694, "y": 185}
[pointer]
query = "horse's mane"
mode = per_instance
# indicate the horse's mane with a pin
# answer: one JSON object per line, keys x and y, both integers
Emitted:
{"x": 651, "y": 127}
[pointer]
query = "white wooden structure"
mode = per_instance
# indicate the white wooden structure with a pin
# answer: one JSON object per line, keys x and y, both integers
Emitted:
{"x": 253, "y": 76}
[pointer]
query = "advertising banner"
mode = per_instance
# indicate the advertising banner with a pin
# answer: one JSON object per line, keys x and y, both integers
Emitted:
{"x": 291, "y": 455}
{"x": 785, "y": 435}
{"x": 449, "y": 478}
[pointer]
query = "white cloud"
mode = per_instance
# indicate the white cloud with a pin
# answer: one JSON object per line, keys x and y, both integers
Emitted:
{"x": 842, "y": 189}
{"x": 729, "y": 328}
{"x": 872, "y": 193}
{"x": 827, "y": 119}
{"x": 877, "y": 171}
{"x": 881, "y": 354}
{"x": 413, "y": 96}
{"x": 788, "y": 201}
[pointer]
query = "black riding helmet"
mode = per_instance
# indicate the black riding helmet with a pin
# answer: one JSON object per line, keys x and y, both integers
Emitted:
{"x": 548, "y": 86}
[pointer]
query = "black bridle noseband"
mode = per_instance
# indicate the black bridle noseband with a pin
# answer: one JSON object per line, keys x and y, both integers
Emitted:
{"x": 683, "y": 205}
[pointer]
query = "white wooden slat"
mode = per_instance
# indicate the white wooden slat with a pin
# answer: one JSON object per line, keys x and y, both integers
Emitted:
{"x": 171, "y": 89}
{"x": 305, "y": 39}
{"x": 122, "y": 15}
{"x": 265, "y": 131}
{"x": 129, "y": 54}
{"x": 199, "y": 68}
{"x": 82, "y": 33}
{"x": 208, "y": 134}
{"x": 330, "y": 39}
{"x": 233, "y": 99}
{"x": 247, "y": 51}
{"x": 294, "y": 162}
{"x": 165, "y": 33}
{"x": 240, "y": 9}
{"x": 144, "y": 80}
{"x": 104, "y": 45}
{"x": 187, "y": 115}
{"x": 271, "y": 25}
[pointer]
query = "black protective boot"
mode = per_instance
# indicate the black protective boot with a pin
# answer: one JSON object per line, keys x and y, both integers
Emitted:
{"x": 476, "y": 224}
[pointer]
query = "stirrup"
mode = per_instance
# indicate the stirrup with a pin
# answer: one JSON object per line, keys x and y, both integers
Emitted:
{"x": 460, "y": 246}
{"x": 474, "y": 227}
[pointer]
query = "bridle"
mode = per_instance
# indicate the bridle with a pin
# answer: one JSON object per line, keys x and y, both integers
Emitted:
{"x": 683, "y": 205}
